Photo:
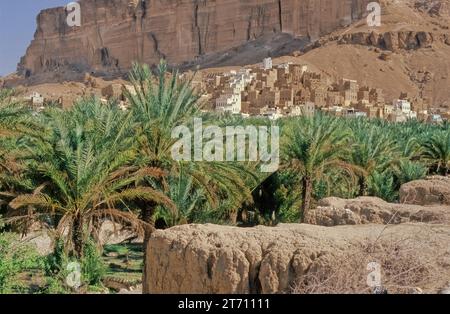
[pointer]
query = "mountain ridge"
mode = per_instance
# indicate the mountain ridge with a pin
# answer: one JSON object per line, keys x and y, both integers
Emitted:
{"x": 115, "y": 33}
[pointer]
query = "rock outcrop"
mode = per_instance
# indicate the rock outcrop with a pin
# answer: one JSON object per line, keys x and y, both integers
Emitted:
{"x": 335, "y": 211}
{"x": 221, "y": 259}
{"x": 432, "y": 191}
{"x": 41, "y": 240}
{"x": 389, "y": 41}
{"x": 114, "y": 33}
{"x": 114, "y": 233}
{"x": 393, "y": 41}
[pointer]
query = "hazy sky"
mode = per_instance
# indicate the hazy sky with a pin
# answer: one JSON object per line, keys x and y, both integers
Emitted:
{"x": 17, "y": 27}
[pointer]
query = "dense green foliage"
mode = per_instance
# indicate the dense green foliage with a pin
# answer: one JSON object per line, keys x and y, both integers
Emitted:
{"x": 15, "y": 258}
{"x": 56, "y": 267}
{"x": 72, "y": 169}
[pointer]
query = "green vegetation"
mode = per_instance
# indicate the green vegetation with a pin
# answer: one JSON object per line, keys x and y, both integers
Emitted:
{"x": 70, "y": 170}
{"x": 57, "y": 269}
{"x": 15, "y": 258}
{"x": 123, "y": 261}
{"x": 317, "y": 148}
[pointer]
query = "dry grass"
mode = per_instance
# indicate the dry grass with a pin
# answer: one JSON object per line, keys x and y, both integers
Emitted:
{"x": 406, "y": 267}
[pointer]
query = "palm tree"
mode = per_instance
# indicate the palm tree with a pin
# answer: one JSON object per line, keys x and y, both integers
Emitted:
{"x": 436, "y": 152}
{"x": 407, "y": 171}
{"x": 382, "y": 185}
{"x": 12, "y": 179}
{"x": 313, "y": 147}
{"x": 82, "y": 166}
{"x": 14, "y": 115}
{"x": 374, "y": 150}
{"x": 158, "y": 105}
{"x": 186, "y": 197}
{"x": 14, "y": 119}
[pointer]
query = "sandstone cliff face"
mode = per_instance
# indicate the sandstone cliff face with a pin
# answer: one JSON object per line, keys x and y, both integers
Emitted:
{"x": 114, "y": 33}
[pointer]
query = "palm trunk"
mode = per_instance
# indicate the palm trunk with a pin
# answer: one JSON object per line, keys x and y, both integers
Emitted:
{"x": 446, "y": 170}
{"x": 233, "y": 217}
{"x": 363, "y": 187}
{"x": 77, "y": 236}
{"x": 306, "y": 195}
{"x": 147, "y": 216}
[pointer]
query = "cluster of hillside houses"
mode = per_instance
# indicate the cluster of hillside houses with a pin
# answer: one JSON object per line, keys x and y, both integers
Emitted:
{"x": 292, "y": 90}
{"x": 283, "y": 91}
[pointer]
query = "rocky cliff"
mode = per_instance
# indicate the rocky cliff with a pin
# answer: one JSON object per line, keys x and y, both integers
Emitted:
{"x": 114, "y": 33}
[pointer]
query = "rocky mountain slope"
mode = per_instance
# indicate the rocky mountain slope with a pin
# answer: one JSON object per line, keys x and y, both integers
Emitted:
{"x": 409, "y": 53}
{"x": 114, "y": 33}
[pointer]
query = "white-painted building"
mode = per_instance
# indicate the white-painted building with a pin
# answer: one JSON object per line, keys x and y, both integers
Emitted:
{"x": 267, "y": 64}
{"x": 284, "y": 66}
{"x": 412, "y": 115}
{"x": 231, "y": 100}
{"x": 36, "y": 101}
{"x": 304, "y": 69}
{"x": 273, "y": 113}
{"x": 295, "y": 111}
{"x": 436, "y": 118}
{"x": 360, "y": 114}
{"x": 398, "y": 117}
{"x": 229, "y": 103}
{"x": 402, "y": 105}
